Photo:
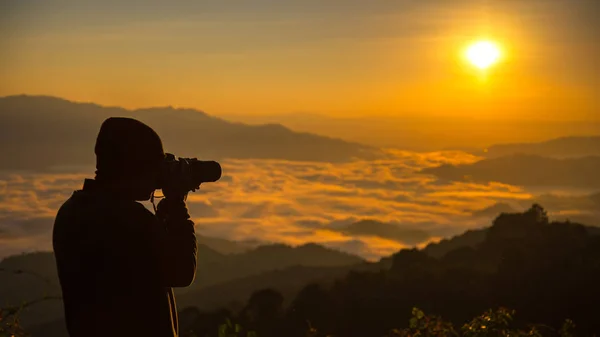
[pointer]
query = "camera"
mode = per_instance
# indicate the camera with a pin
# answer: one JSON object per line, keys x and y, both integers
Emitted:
{"x": 187, "y": 173}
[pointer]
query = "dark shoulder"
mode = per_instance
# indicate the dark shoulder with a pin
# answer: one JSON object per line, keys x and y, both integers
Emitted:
{"x": 92, "y": 208}
{"x": 128, "y": 210}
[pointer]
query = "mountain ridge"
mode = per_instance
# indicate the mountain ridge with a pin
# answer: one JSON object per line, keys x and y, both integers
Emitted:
{"x": 58, "y": 132}
{"x": 561, "y": 147}
{"x": 28, "y": 276}
{"x": 525, "y": 170}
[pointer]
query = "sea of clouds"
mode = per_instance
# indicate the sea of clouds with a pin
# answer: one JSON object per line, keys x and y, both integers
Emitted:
{"x": 300, "y": 202}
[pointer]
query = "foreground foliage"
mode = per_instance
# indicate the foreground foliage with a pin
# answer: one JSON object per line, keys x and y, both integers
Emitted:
{"x": 492, "y": 323}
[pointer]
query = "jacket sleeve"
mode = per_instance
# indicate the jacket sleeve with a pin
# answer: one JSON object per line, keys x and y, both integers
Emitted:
{"x": 176, "y": 247}
{"x": 141, "y": 249}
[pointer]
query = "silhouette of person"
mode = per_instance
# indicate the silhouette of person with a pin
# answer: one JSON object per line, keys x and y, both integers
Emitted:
{"x": 117, "y": 261}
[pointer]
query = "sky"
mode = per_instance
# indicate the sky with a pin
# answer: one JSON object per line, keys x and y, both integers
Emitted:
{"x": 337, "y": 57}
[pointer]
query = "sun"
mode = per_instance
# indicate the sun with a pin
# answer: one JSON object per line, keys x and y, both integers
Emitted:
{"x": 483, "y": 54}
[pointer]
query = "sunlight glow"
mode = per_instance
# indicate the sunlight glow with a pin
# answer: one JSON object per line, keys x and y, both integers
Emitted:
{"x": 483, "y": 54}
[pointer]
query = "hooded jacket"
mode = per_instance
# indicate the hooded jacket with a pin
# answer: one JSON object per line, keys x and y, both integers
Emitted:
{"x": 117, "y": 263}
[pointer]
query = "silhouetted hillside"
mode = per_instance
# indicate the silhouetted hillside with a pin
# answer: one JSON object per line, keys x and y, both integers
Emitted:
{"x": 522, "y": 261}
{"x": 472, "y": 239}
{"x": 223, "y": 246}
{"x": 29, "y": 277}
{"x": 558, "y": 148}
{"x": 41, "y": 277}
{"x": 207, "y": 255}
{"x": 469, "y": 239}
{"x": 287, "y": 280}
{"x": 526, "y": 170}
{"x": 268, "y": 258}
{"x": 59, "y": 133}
{"x": 547, "y": 271}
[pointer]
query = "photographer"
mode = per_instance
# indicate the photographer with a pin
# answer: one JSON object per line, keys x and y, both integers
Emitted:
{"x": 117, "y": 261}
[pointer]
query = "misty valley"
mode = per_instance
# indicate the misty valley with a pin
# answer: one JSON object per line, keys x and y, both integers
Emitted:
{"x": 311, "y": 235}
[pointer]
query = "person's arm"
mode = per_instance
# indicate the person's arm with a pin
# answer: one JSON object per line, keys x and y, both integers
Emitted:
{"x": 140, "y": 249}
{"x": 178, "y": 246}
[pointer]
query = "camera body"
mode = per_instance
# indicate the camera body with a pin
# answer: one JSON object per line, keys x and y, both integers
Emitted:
{"x": 187, "y": 173}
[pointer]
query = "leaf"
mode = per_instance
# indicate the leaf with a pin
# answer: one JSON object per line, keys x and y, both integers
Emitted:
{"x": 223, "y": 330}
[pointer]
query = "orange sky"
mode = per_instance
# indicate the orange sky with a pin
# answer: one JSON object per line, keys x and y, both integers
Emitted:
{"x": 346, "y": 57}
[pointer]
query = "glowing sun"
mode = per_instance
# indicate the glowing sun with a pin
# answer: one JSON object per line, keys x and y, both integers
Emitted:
{"x": 483, "y": 54}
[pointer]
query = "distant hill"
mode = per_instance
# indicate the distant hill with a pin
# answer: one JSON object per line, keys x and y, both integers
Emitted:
{"x": 224, "y": 246}
{"x": 558, "y": 148}
{"x": 421, "y": 132}
{"x": 207, "y": 255}
{"x": 267, "y": 258}
{"x": 38, "y": 132}
{"x": 286, "y": 280}
{"x": 526, "y": 170}
{"x": 396, "y": 232}
{"x": 472, "y": 239}
{"x": 493, "y": 210}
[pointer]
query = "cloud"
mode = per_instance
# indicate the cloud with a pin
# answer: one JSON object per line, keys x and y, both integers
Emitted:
{"x": 203, "y": 208}
{"x": 494, "y": 210}
{"x": 300, "y": 202}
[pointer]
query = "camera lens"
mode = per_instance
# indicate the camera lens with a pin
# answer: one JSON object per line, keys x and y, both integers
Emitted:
{"x": 205, "y": 171}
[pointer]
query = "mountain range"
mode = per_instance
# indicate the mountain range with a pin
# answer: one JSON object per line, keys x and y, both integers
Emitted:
{"x": 54, "y": 132}
{"x": 563, "y": 147}
{"x": 414, "y": 132}
{"x": 223, "y": 279}
{"x": 33, "y": 275}
{"x": 526, "y": 170}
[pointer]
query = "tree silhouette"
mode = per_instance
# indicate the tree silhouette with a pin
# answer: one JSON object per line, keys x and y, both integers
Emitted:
{"x": 264, "y": 313}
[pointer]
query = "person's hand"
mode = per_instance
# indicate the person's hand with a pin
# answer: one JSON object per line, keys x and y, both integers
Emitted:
{"x": 173, "y": 191}
{"x": 172, "y": 206}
